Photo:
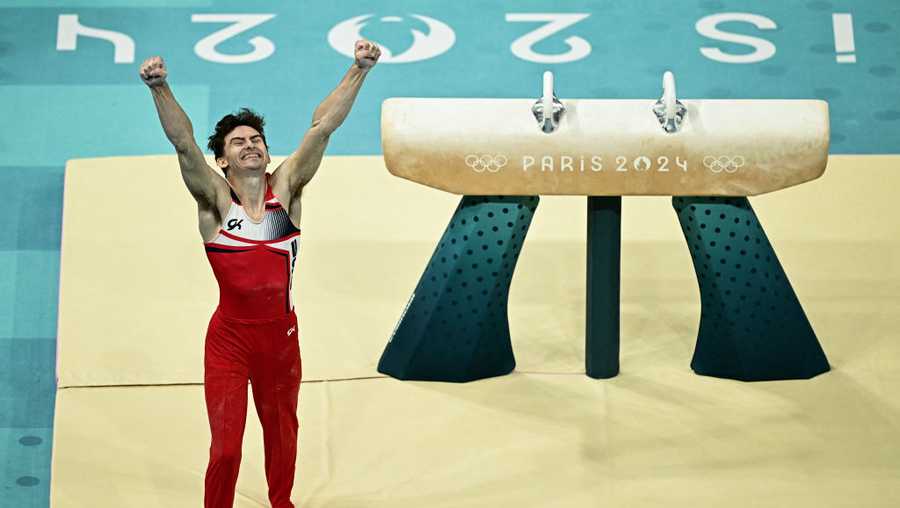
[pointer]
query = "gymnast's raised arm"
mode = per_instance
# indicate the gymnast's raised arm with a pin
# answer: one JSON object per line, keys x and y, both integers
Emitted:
{"x": 207, "y": 187}
{"x": 298, "y": 169}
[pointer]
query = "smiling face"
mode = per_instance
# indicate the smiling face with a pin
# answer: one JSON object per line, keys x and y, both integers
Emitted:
{"x": 245, "y": 149}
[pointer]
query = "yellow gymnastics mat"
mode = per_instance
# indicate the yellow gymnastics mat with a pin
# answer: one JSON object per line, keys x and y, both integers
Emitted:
{"x": 136, "y": 294}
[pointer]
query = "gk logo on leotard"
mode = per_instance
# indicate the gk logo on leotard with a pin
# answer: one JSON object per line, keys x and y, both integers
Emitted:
{"x": 234, "y": 223}
{"x": 291, "y": 331}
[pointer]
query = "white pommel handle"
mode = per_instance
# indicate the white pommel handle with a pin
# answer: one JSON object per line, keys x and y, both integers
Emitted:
{"x": 547, "y": 98}
{"x": 669, "y": 96}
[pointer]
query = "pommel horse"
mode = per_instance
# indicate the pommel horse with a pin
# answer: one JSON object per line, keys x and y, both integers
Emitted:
{"x": 709, "y": 155}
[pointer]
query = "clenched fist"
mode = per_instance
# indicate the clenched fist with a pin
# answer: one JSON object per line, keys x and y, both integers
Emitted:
{"x": 153, "y": 71}
{"x": 366, "y": 53}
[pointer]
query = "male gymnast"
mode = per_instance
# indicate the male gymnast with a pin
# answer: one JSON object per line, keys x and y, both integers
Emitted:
{"x": 250, "y": 224}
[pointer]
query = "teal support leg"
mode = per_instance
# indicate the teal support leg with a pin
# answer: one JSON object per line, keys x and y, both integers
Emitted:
{"x": 455, "y": 327}
{"x": 604, "y": 242}
{"x": 752, "y": 326}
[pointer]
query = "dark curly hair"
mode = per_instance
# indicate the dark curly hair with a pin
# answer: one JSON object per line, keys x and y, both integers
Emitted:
{"x": 229, "y": 122}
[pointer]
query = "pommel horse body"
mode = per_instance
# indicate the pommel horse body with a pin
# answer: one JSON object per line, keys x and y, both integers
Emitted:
{"x": 709, "y": 155}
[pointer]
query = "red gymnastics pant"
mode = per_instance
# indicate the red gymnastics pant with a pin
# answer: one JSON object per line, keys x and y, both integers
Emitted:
{"x": 267, "y": 353}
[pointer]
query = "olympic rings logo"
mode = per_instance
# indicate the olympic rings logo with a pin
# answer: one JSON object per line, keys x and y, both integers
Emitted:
{"x": 487, "y": 162}
{"x": 724, "y": 163}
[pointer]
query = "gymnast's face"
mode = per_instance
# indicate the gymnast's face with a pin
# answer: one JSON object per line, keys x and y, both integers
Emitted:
{"x": 245, "y": 149}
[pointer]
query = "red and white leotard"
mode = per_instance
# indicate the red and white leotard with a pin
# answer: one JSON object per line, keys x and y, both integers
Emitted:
{"x": 254, "y": 261}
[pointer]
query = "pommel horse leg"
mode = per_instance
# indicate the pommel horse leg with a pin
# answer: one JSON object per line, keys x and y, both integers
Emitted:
{"x": 752, "y": 327}
{"x": 455, "y": 326}
{"x": 604, "y": 241}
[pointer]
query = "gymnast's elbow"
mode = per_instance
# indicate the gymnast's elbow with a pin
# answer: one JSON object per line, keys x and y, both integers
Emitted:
{"x": 320, "y": 131}
{"x": 184, "y": 145}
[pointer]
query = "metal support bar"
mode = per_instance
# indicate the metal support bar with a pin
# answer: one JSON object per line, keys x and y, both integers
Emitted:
{"x": 604, "y": 241}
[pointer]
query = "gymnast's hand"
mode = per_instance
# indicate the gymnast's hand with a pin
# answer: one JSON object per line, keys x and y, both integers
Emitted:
{"x": 153, "y": 72}
{"x": 366, "y": 54}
